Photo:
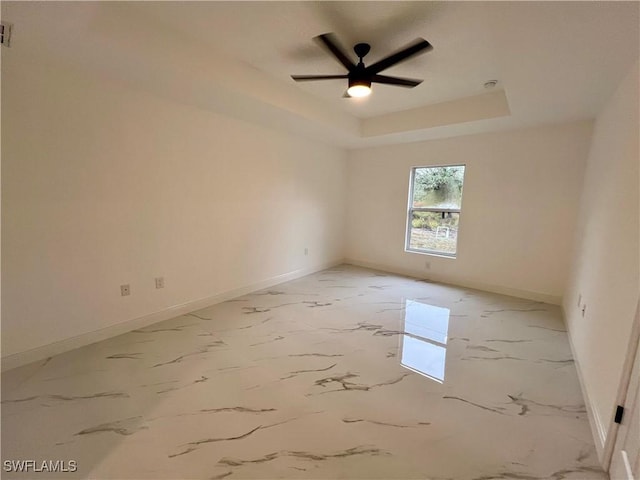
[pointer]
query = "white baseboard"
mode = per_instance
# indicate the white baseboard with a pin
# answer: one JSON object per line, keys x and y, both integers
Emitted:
{"x": 512, "y": 292}
{"x": 598, "y": 430}
{"x": 45, "y": 351}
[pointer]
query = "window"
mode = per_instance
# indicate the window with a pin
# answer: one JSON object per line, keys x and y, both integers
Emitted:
{"x": 435, "y": 199}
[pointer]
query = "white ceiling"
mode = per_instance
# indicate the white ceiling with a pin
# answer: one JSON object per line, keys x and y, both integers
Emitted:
{"x": 555, "y": 61}
{"x": 276, "y": 38}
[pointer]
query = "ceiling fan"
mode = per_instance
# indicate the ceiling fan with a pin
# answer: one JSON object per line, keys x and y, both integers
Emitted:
{"x": 361, "y": 77}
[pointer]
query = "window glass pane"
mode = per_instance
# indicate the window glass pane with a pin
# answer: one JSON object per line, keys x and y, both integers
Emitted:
{"x": 438, "y": 187}
{"x": 429, "y": 231}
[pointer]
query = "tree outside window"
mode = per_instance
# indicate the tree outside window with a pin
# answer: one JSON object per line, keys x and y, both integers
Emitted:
{"x": 435, "y": 201}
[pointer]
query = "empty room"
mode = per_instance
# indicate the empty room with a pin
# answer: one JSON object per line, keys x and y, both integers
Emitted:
{"x": 368, "y": 240}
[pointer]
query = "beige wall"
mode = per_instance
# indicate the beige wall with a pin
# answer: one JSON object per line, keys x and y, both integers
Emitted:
{"x": 519, "y": 208}
{"x": 104, "y": 185}
{"x": 606, "y": 261}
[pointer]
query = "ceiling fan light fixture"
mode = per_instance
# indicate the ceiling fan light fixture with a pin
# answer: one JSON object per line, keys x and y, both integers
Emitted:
{"x": 359, "y": 88}
{"x": 360, "y": 76}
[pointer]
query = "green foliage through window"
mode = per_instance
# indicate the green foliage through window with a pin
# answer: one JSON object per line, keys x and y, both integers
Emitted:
{"x": 438, "y": 187}
{"x": 434, "y": 213}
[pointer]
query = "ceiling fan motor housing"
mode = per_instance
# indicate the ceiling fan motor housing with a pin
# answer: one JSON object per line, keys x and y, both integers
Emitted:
{"x": 358, "y": 76}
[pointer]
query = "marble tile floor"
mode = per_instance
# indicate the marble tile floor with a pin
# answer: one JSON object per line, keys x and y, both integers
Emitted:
{"x": 346, "y": 373}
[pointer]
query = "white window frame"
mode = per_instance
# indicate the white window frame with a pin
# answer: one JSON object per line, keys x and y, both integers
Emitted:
{"x": 411, "y": 209}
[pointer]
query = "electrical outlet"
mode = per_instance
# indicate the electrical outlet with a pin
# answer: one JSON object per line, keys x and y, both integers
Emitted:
{"x": 125, "y": 290}
{"x": 306, "y": 251}
{"x": 5, "y": 34}
{"x": 159, "y": 282}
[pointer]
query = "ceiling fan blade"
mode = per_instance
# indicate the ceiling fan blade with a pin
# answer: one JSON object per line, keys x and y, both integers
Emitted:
{"x": 401, "y": 82}
{"x": 328, "y": 40}
{"x": 418, "y": 46}
{"x": 304, "y": 78}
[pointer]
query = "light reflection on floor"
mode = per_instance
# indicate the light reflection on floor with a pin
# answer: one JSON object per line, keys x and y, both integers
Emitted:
{"x": 424, "y": 345}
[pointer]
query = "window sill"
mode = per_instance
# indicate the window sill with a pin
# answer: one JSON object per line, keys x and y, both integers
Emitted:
{"x": 432, "y": 253}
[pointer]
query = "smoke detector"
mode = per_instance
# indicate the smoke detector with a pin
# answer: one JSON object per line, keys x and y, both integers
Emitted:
{"x": 490, "y": 84}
